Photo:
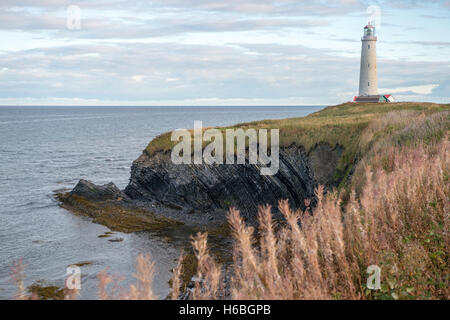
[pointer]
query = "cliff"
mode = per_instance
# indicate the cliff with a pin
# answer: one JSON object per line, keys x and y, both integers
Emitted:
{"x": 323, "y": 148}
{"x": 207, "y": 188}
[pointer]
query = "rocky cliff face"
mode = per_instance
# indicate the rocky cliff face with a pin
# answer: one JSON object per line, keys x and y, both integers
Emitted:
{"x": 201, "y": 194}
{"x": 207, "y": 188}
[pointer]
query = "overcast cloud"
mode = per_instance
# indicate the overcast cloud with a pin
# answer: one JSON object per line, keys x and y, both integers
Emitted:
{"x": 193, "y": 52}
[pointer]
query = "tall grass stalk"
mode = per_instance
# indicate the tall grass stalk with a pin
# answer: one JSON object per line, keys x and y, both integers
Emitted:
{"x": 400, "y": 223}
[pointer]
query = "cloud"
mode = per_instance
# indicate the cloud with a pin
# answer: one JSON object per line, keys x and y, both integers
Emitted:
{"x": 173, "y": 73}
{"x": 254, "y": 7}
{"x": 53, "y": 101}
{"x": 406, "y": 4}
{"x": 125, "y": 25}
{"x": 204, "y": 52}
{"x": 138, "y": 78}
{"x": 429, "y": 16}
{"x": 421, "y": 90}
{"x": 433, "y": 43}
{"x": 427, "y": 43}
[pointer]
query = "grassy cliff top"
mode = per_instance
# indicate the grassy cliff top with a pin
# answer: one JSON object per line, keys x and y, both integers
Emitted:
{"x": 357, "y": 127}
{"x": 336, "y": 125}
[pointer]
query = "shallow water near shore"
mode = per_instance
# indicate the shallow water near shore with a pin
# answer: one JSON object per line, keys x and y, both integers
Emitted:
{"x": 44, "y": 149}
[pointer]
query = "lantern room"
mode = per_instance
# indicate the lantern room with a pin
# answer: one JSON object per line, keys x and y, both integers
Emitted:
{"x": 369, "y": 31}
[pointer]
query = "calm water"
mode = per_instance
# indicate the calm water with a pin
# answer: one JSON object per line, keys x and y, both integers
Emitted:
{"x": 43, "y": 149}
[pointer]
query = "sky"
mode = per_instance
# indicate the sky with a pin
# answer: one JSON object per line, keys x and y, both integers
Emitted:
{"x": 218, "y": 52}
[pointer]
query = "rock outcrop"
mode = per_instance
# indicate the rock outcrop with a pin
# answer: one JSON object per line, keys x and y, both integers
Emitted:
{"x": 109, "y": 206}
{"x": 201, "y": 193}
{"x": 212, "y": 187}
{"x": 93, "y": 192}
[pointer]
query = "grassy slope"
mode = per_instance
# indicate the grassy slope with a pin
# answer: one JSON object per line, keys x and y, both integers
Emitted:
{"x": 345, "y": 125}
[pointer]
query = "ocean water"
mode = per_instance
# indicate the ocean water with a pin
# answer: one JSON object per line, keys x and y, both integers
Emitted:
{"x": 45, "y": 149}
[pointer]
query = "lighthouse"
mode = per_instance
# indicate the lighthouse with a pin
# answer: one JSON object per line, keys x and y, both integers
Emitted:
{"x": 368, "y": 78}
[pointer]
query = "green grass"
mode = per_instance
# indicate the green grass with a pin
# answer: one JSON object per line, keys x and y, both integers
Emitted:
{"x": 340, "y": 124}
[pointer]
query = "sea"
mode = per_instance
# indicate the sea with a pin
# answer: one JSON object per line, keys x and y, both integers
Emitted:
{"x": 44, "y": 150}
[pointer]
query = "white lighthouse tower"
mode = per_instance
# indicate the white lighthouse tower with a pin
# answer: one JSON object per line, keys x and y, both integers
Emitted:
{"x": 368, "y": 80}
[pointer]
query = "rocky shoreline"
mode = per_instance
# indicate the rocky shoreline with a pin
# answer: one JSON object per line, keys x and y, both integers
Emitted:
{"x": 173, "y": 199}
{"x": 329, "y": 148}
{"x": 162, "y": 194}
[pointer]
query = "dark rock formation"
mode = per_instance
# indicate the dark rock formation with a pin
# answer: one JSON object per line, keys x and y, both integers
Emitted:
{"x": 92, "y": 192}
{"x": 109, "y": 206}
{"x": 203, "y": 193}
{"x": 324, "y": 161}
{"x": 210, "y": 187}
